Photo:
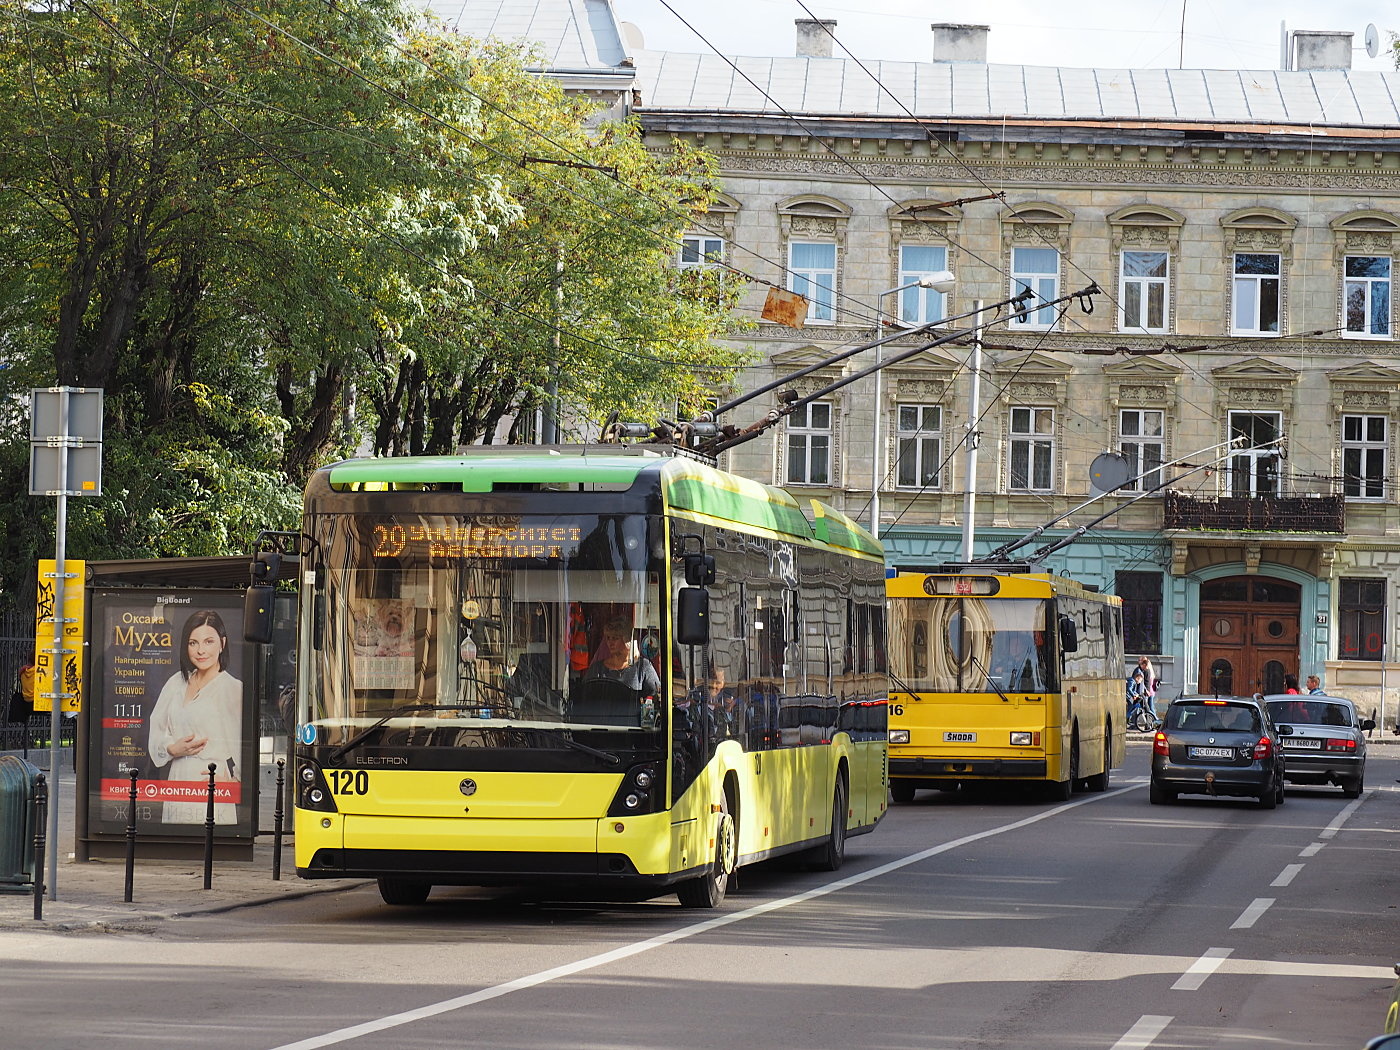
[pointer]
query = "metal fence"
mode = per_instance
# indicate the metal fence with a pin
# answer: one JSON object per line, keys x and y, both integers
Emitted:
{"x": 34, "y": 734}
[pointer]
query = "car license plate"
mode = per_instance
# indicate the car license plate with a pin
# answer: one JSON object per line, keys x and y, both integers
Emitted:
{"x": 1211, "y": 752}
{"x": 1301, "y": 741}
{"x": 960, "y": 738}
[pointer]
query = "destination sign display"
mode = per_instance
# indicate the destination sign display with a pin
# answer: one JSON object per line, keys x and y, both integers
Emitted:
{"x": 474, "y": 540}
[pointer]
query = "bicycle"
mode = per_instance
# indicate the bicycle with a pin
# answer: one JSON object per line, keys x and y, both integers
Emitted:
{"x": 1141, "y": 717}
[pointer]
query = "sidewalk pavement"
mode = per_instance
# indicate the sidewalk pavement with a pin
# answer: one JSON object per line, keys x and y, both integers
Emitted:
{"x": 90, "y": 895}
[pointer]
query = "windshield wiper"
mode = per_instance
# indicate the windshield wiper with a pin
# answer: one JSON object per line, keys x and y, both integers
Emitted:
{"x": 568, "y": 741}
{"x": 899, "y": 682}
{"x": 359, "y": 737}
{"x": 990, "y": 681}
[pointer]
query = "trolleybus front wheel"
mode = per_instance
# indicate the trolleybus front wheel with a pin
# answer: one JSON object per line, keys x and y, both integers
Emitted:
{"x": 708, "y": 890}
{"x": 404, "y": 891}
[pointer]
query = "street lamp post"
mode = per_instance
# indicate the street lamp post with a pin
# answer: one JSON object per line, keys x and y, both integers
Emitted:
{"x": 941, "y": 281}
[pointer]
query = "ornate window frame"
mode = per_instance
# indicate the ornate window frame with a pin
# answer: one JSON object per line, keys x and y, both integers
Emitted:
{"x": 1265, "y": 231}
{"x": 1365, "y": 231}
{"x": 819, "y": 218}
{"x": 1147, "y": 228}
{"x": 1036, "y": 224}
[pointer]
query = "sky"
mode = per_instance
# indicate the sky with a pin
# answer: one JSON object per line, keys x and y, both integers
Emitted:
{"x": 1137, "y": 34}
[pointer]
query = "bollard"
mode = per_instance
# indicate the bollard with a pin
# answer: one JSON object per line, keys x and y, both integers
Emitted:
{"x": 41, "y": 805}
{"x": 209, "y": 831}
{"x": 130, "y": 837}
{"x": 277, "y": 826}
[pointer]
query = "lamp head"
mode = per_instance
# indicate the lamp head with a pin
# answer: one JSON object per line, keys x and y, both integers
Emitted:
{"x": 942, "y": 281}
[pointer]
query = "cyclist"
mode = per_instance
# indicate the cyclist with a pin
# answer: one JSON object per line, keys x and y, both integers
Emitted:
{"x": 1140, "y": 713}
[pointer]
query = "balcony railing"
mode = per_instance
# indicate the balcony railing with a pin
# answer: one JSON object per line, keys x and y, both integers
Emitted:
{"x": 1257, "y": 514}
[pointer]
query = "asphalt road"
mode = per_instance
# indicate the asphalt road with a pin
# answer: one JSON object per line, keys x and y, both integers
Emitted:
{"x": 964, "y": 921}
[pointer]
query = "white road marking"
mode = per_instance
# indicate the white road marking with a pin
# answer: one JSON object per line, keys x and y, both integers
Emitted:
{"x": 1341, "y": 818}
{"x": 1141, "y": 1035}
{"x": 1313, "y": 850}
{"x": 1198, "y": 971}
{"x": 1287, "y": 875}
{"x": 1251, "y": 914}
{"x": 343, "y": 1035}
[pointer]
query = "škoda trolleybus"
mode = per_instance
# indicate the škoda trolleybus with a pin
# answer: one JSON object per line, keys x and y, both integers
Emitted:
{"x": 609, "y": 668}
{"x": 1014, "y": 677}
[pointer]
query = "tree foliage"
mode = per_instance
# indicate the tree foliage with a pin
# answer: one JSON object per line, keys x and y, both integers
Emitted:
{"x": 273, "y": 229}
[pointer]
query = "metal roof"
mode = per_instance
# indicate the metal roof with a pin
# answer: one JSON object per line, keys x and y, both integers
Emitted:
{"x": 672, "y": 80}
{"x": 575, "y": 35}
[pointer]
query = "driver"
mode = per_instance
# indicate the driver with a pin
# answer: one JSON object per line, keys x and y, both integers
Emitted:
{"x": 618, "y": 661}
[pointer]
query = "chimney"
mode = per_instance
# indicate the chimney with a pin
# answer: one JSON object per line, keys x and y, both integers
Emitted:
{"x": 960, "y": 43}
{"x": 1321, "y": 49}
{"x": 814, "y": 37}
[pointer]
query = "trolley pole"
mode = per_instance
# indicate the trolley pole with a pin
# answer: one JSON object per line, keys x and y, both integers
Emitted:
{"x": 974, "y": 438}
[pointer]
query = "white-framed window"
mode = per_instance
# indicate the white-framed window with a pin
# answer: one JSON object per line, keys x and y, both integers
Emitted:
{"x": 1364, "y": 442}
{"x": 1143, "y": 292}
{"x": 917, "y": 261}
{"x": 1039, "y": 270}
{"x": 1366, "y": 296}
{"x": 1032, "y": 450}
{"x": 812, "y": 274}
{"x": 809, "y": 444}
{"x": 1254, "y": 468}
{"x": 1258, "y": 293}
{"x": 1141, "y": 439}
{"x": 700, "y": 250}
{"x": 918, "y": 446}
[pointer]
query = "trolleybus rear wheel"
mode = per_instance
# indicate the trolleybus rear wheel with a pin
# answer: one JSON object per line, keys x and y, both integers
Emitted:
{"x": 404, "y": 891}
{"x": 901, "y": 791}
{"x": 708, "y": 890}
{"x": 830, "y": 855}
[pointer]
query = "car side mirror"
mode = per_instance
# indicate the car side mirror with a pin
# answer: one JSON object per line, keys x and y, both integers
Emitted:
{"x": 1368, "y": 724}
{"x": 1285, "y": 730}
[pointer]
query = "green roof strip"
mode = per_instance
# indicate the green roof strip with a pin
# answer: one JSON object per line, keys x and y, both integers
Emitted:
{"x": 478, "y": 473}
{"x": 704, "y": 490}
{"x": 833, "y": 527}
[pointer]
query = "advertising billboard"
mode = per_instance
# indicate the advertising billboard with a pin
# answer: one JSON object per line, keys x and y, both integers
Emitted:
{"x": 171, "y": 695}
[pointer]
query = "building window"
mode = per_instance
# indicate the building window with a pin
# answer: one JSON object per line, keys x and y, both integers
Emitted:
{"x": 809, "y": 445}
{"x": 1363, "y": 456}
{"x": 1141, "y": 442}
{"x": 1366, "y": 294}
{"x": 1142, "y": 611}
{"x": 921, "y": 305}
{"x": 1257, "y": 293}
{"x": 1032, "y": 449}
{"x": 1361, "y": 609}
{"x": 919, "y": 447}
{"x": 1144, "y": 292}
{"x": 698, "y": 252}
{"x": 1039, "y": 270}
{"x": 812, "y": 274}
{"x": 1254, "y": 467}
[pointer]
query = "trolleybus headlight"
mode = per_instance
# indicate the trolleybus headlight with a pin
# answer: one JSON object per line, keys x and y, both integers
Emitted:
{"x": 1022, "y": 739}
{"x": 633, "y": 796}
{"x": 899, "y": 736}
{"x": 314, "y": 793}
{"x": 308, "y": 775}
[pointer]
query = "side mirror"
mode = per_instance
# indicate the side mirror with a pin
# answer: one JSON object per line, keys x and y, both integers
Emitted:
{"x": 1368, "y": 724}
{"x": 258, "y": 609}
{"x": 1069, "y": 635}
{"x": 1284, "y": 730}
{"x": 699, "y": 569}
{"x": 693, "y": 616}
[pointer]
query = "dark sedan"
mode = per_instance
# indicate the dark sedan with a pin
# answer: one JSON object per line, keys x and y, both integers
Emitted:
{"x": 1217, "y": 746}
{"x": 1327, "y": 745}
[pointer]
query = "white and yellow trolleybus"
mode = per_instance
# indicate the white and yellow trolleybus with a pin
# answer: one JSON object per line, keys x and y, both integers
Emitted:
{"x": 1003, "y": 676}
{"x": 611, "y": 669}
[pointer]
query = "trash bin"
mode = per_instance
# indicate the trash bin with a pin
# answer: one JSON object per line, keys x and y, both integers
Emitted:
{"x": 17, "y": 779}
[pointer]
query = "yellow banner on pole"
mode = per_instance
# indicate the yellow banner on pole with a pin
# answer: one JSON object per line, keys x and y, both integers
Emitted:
{"x": 67, "y": 686}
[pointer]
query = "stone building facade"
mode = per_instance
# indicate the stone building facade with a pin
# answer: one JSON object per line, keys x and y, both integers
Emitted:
{"x": 1242, "y": 228}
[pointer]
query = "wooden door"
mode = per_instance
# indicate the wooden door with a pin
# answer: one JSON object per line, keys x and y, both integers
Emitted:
{"x": 1249, "y": 635}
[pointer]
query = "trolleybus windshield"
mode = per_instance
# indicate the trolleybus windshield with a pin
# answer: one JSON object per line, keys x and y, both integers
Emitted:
{"x": 972, "y": 645}
{"x": 510, "y": 632}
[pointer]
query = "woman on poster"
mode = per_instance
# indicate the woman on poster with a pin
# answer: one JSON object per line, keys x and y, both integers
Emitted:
{"x": 198, "y": 719}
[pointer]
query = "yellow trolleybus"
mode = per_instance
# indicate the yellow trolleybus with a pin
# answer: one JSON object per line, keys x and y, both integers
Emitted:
{"x": 610, "y": 668}
{"x": 1003, "y": 676}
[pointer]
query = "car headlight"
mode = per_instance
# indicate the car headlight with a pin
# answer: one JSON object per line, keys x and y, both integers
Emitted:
{"x": 1022, "y": 739}
{"x": 899, "y": 736}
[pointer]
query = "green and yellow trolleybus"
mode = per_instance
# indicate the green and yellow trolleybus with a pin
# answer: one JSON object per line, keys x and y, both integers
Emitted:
{"x": 1003, "y": 676}
{"x": 609, "y": 668}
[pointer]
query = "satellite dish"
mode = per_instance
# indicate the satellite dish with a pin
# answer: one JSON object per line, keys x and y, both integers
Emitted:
{"x": 1373, "y": 40}
{"x": 1109, "y": 471}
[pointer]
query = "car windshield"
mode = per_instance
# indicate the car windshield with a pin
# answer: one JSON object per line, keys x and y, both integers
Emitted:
{"x": 1208, "y": 717}
{"x": 1310, "y": 712}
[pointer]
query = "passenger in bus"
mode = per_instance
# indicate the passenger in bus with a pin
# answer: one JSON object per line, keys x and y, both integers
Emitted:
{"x": 618, "y": 661}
